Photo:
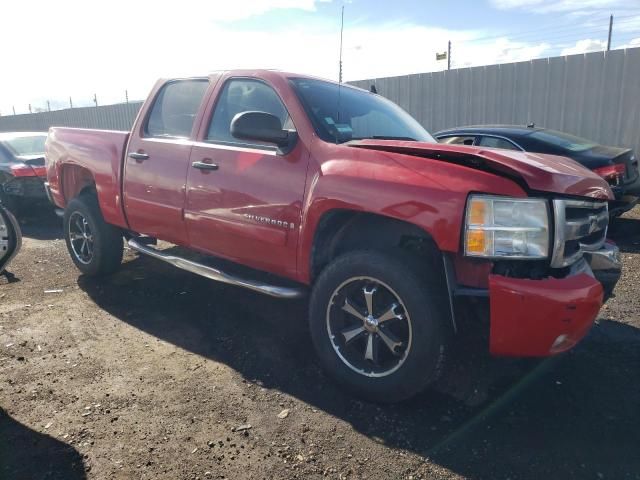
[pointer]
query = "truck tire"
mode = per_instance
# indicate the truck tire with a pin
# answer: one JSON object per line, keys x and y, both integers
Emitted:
{"x": 378, "y": 325}
{"x": 95, "y": 246}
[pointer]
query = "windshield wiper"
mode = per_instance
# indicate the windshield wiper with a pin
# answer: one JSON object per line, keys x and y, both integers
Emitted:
{"x": 385, "y": 137}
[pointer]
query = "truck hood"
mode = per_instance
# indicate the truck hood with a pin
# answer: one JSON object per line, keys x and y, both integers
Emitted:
{"x": 540, "y": 172}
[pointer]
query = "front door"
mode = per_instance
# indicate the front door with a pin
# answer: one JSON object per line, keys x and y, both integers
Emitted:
{"x": 157, "y": 160}
{"x": 244, "y": 200}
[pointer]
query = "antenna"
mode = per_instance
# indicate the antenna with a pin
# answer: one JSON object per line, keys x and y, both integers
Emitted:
{"x": 339, "y": 74}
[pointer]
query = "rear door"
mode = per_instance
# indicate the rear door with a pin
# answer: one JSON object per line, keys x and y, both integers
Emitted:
{"x": 157, "y": 160}
{"x": 247, "y": 206}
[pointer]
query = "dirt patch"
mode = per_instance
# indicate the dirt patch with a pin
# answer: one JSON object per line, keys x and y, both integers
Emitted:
{"x": 156, "y": 373}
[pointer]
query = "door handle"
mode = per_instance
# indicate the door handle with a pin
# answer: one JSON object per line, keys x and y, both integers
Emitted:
{"x": 138, "y": 156}
{"x": 204, "y": 166}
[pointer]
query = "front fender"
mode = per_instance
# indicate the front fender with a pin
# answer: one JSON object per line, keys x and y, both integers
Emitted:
{"x": 431, "y": 197}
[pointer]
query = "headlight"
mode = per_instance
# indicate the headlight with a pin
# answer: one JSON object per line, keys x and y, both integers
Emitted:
{"x": 505, "y": 227}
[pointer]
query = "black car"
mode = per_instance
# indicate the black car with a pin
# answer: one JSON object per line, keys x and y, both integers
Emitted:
{"x": 618, "y": 166}
{"x": 22, "y": 171}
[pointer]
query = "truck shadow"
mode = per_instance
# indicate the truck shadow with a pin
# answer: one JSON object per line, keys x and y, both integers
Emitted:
{"x": 26, "y": 454}
{"x": 40, "y": 222}
{"x": 573, "y": 417}
{"x": 625, "y": 232}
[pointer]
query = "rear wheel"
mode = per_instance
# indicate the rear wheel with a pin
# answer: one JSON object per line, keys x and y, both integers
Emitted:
{"x": 95, "y": 247}
{"x": 378, "y": 325}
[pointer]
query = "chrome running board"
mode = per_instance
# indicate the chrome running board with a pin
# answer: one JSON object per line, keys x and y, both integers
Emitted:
{"x": 215, "y": 274}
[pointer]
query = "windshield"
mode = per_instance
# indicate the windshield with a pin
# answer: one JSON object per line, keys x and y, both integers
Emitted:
{"x": 563, "y": 140}
{"x": 27, "y": 145}
{"x": 343, "y": 114}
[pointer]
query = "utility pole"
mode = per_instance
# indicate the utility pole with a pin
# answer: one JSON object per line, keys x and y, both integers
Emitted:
{"x": 126, "y": 96}
{"x": 95, "y": 99}
{"x": 610, "y": 30}
{"x": 48, "y": 106}
{"x": 341, "y": 29}
{"x": 70, "y": 102}
{"x": 449, "y": 56}
{"x": 14, "y": 109}
{"x": 30, "y": 109}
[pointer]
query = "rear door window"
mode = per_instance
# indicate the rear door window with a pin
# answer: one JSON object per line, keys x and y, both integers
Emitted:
{"x": 175, "y": 108}
{"x": 5, "y": 156}
{"x": 563, "y": 140}
{"x": 494, "y": 142}
{"x": 27, "y": 145}
{"x": 458, "y": 140}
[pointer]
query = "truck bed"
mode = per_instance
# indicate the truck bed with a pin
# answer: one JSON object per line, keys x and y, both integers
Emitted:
{"x": 93, "y": 156}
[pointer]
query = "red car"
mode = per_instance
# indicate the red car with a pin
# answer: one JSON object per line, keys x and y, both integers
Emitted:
{"x": 312, "y": 186}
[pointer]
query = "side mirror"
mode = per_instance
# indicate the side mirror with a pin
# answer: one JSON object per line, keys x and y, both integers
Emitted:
{"x": 260, "y": 126}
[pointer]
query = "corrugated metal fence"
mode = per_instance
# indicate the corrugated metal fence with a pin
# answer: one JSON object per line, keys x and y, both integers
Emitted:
{"x": 595, "y": 95}
{"x": 110, "y": 117}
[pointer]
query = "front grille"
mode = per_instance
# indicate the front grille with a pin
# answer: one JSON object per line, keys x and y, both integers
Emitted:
{"x": 580, "y": 226}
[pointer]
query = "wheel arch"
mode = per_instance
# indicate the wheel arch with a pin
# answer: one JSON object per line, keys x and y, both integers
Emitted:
{"x": 341, "y": 230}
{"x": 75, "y": 181}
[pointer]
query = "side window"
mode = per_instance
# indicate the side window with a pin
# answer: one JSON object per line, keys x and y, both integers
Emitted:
{"x": 459, "y": 140}
{"x": 5, "y": 157}
{"x": 175, "y": 108}
{"x": 244, "y": 95}
{"x": 494, "y": 142}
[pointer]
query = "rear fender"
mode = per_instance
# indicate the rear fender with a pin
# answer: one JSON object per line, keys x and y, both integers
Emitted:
{"x": 75, "y": 179}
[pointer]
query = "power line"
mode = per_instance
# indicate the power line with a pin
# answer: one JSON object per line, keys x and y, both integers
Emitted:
{"x": 552, "y": 28}
{"x": 517, "y": 45}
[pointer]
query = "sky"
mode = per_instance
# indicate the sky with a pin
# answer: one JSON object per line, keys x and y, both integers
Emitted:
{"x": 53, "y": 50}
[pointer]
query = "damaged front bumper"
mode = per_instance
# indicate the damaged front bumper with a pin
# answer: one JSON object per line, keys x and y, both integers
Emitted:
{"x": 606, "y": 265}
{"x": 551, "y": 315}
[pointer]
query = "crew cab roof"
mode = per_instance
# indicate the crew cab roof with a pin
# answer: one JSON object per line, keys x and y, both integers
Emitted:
{"x": 266, "y": 74}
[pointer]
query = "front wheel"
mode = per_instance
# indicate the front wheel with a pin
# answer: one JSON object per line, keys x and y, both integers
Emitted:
{"x": 95, "y": 247}
{"x": 378, "y": 325}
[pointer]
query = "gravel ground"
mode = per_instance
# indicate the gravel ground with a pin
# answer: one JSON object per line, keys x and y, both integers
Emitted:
{"x": 155, "y": 373}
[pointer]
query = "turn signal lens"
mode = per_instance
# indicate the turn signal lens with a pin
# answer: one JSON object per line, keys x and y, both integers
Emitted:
{"x": 477, "y": 242}
{"x": 477, "y": 212}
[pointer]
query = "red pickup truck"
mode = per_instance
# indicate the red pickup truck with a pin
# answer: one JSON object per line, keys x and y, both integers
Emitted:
{"x": 298, "y": 184}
